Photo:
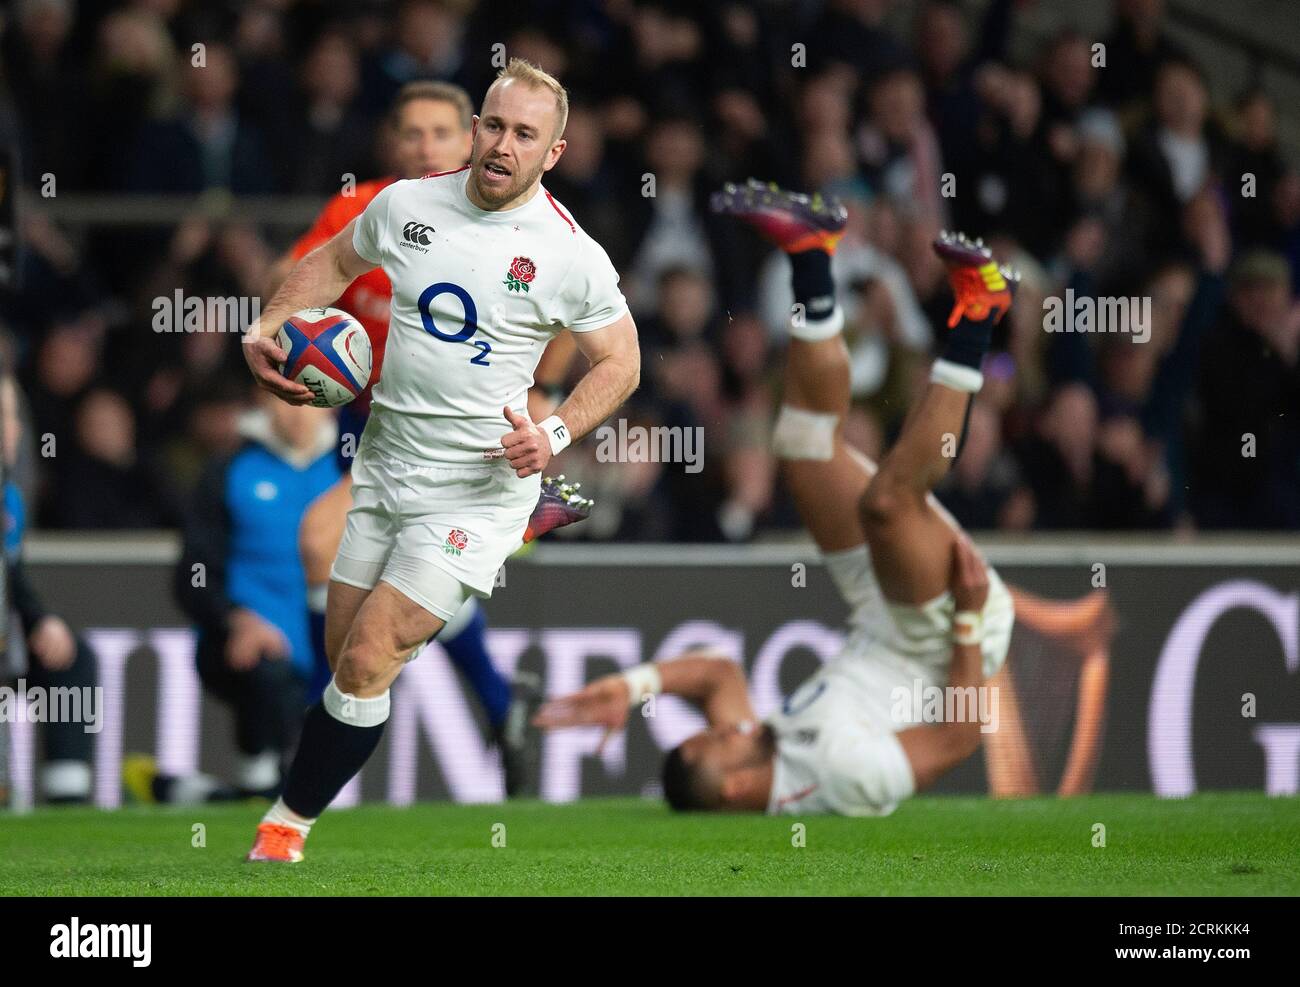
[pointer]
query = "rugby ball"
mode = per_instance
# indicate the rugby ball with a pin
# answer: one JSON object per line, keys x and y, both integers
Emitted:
{"x": 327, "y": 351}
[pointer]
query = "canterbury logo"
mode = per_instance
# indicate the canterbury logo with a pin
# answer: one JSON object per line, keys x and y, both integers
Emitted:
{"x": 414, "y": 232}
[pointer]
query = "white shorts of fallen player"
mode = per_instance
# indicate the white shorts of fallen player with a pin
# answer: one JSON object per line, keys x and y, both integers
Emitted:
{"x": 438, "y": 534}
{"x": 837, "y": 734}
{"x": 913, "y": 640}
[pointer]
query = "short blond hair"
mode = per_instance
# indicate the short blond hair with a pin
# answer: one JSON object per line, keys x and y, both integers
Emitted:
{"x": 535, "y": 78}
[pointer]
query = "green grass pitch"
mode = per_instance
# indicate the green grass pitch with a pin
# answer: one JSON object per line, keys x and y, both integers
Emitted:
{"x": 1211, "y": 844}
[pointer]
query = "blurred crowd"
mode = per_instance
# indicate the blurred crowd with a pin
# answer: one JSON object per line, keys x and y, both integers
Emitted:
{"x": 1118, "y": 180}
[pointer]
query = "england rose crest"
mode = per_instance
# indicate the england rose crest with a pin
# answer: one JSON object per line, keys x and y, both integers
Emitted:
{"x": 456, "y": 542}
{"x": 521, "y": 273}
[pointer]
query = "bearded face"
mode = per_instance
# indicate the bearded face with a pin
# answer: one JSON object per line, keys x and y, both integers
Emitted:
{"x": 514, "y": 142}
{"x": 498, "y": 179}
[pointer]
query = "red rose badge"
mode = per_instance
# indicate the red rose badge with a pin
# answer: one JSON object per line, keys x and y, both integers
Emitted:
{"x": 521, "y": 273}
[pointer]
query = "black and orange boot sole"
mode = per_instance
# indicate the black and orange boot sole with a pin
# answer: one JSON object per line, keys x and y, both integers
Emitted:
{"x": 793, "y": 221}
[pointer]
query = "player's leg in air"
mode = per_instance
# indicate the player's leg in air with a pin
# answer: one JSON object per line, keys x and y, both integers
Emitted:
{"x": 897, "y": 557}
{"x": 825, "y": 477}
{"x": 847, "y": 502}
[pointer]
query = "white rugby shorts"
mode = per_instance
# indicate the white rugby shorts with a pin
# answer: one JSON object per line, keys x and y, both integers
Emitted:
{"x": 919, "y": 636}
{"x": 438, "y": 534}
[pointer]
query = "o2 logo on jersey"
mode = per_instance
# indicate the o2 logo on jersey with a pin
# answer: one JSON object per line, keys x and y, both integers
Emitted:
{"x": 466, "y": 331}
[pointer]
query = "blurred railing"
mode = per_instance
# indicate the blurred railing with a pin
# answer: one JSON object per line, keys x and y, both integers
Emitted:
{"x": 1236, "y": 549}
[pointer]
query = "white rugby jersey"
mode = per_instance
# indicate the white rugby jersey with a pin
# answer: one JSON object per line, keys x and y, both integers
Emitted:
{"x": 836, "y": 751}
{"x": 477, "y": 295}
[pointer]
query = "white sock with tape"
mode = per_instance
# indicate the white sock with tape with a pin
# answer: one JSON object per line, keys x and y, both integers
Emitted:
{"x": 812, "y": 330}
{"x": 803, "y": 434}
{"x": 353, "y": 710}
{"x": 281, "y": 815}
{"x": 957, "y": 376}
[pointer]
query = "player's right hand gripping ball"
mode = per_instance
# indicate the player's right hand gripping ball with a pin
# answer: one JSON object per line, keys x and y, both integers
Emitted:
{"x": 328, "y": 352}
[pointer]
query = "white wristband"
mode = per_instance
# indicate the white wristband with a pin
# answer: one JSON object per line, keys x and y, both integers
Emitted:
{"x": 557, "y": 432}
{"x": 643, "y": 680}
{"x": 968, "y": 627}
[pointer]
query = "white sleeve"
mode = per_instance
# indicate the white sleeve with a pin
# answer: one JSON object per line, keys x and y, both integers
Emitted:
{"x": 372, "y": 225}
{"x": 868, "y": 773}
{"x": 589, "y": 298}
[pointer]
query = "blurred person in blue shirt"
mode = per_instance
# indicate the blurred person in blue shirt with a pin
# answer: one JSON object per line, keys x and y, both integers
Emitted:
{"x": 240, "y": 580}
